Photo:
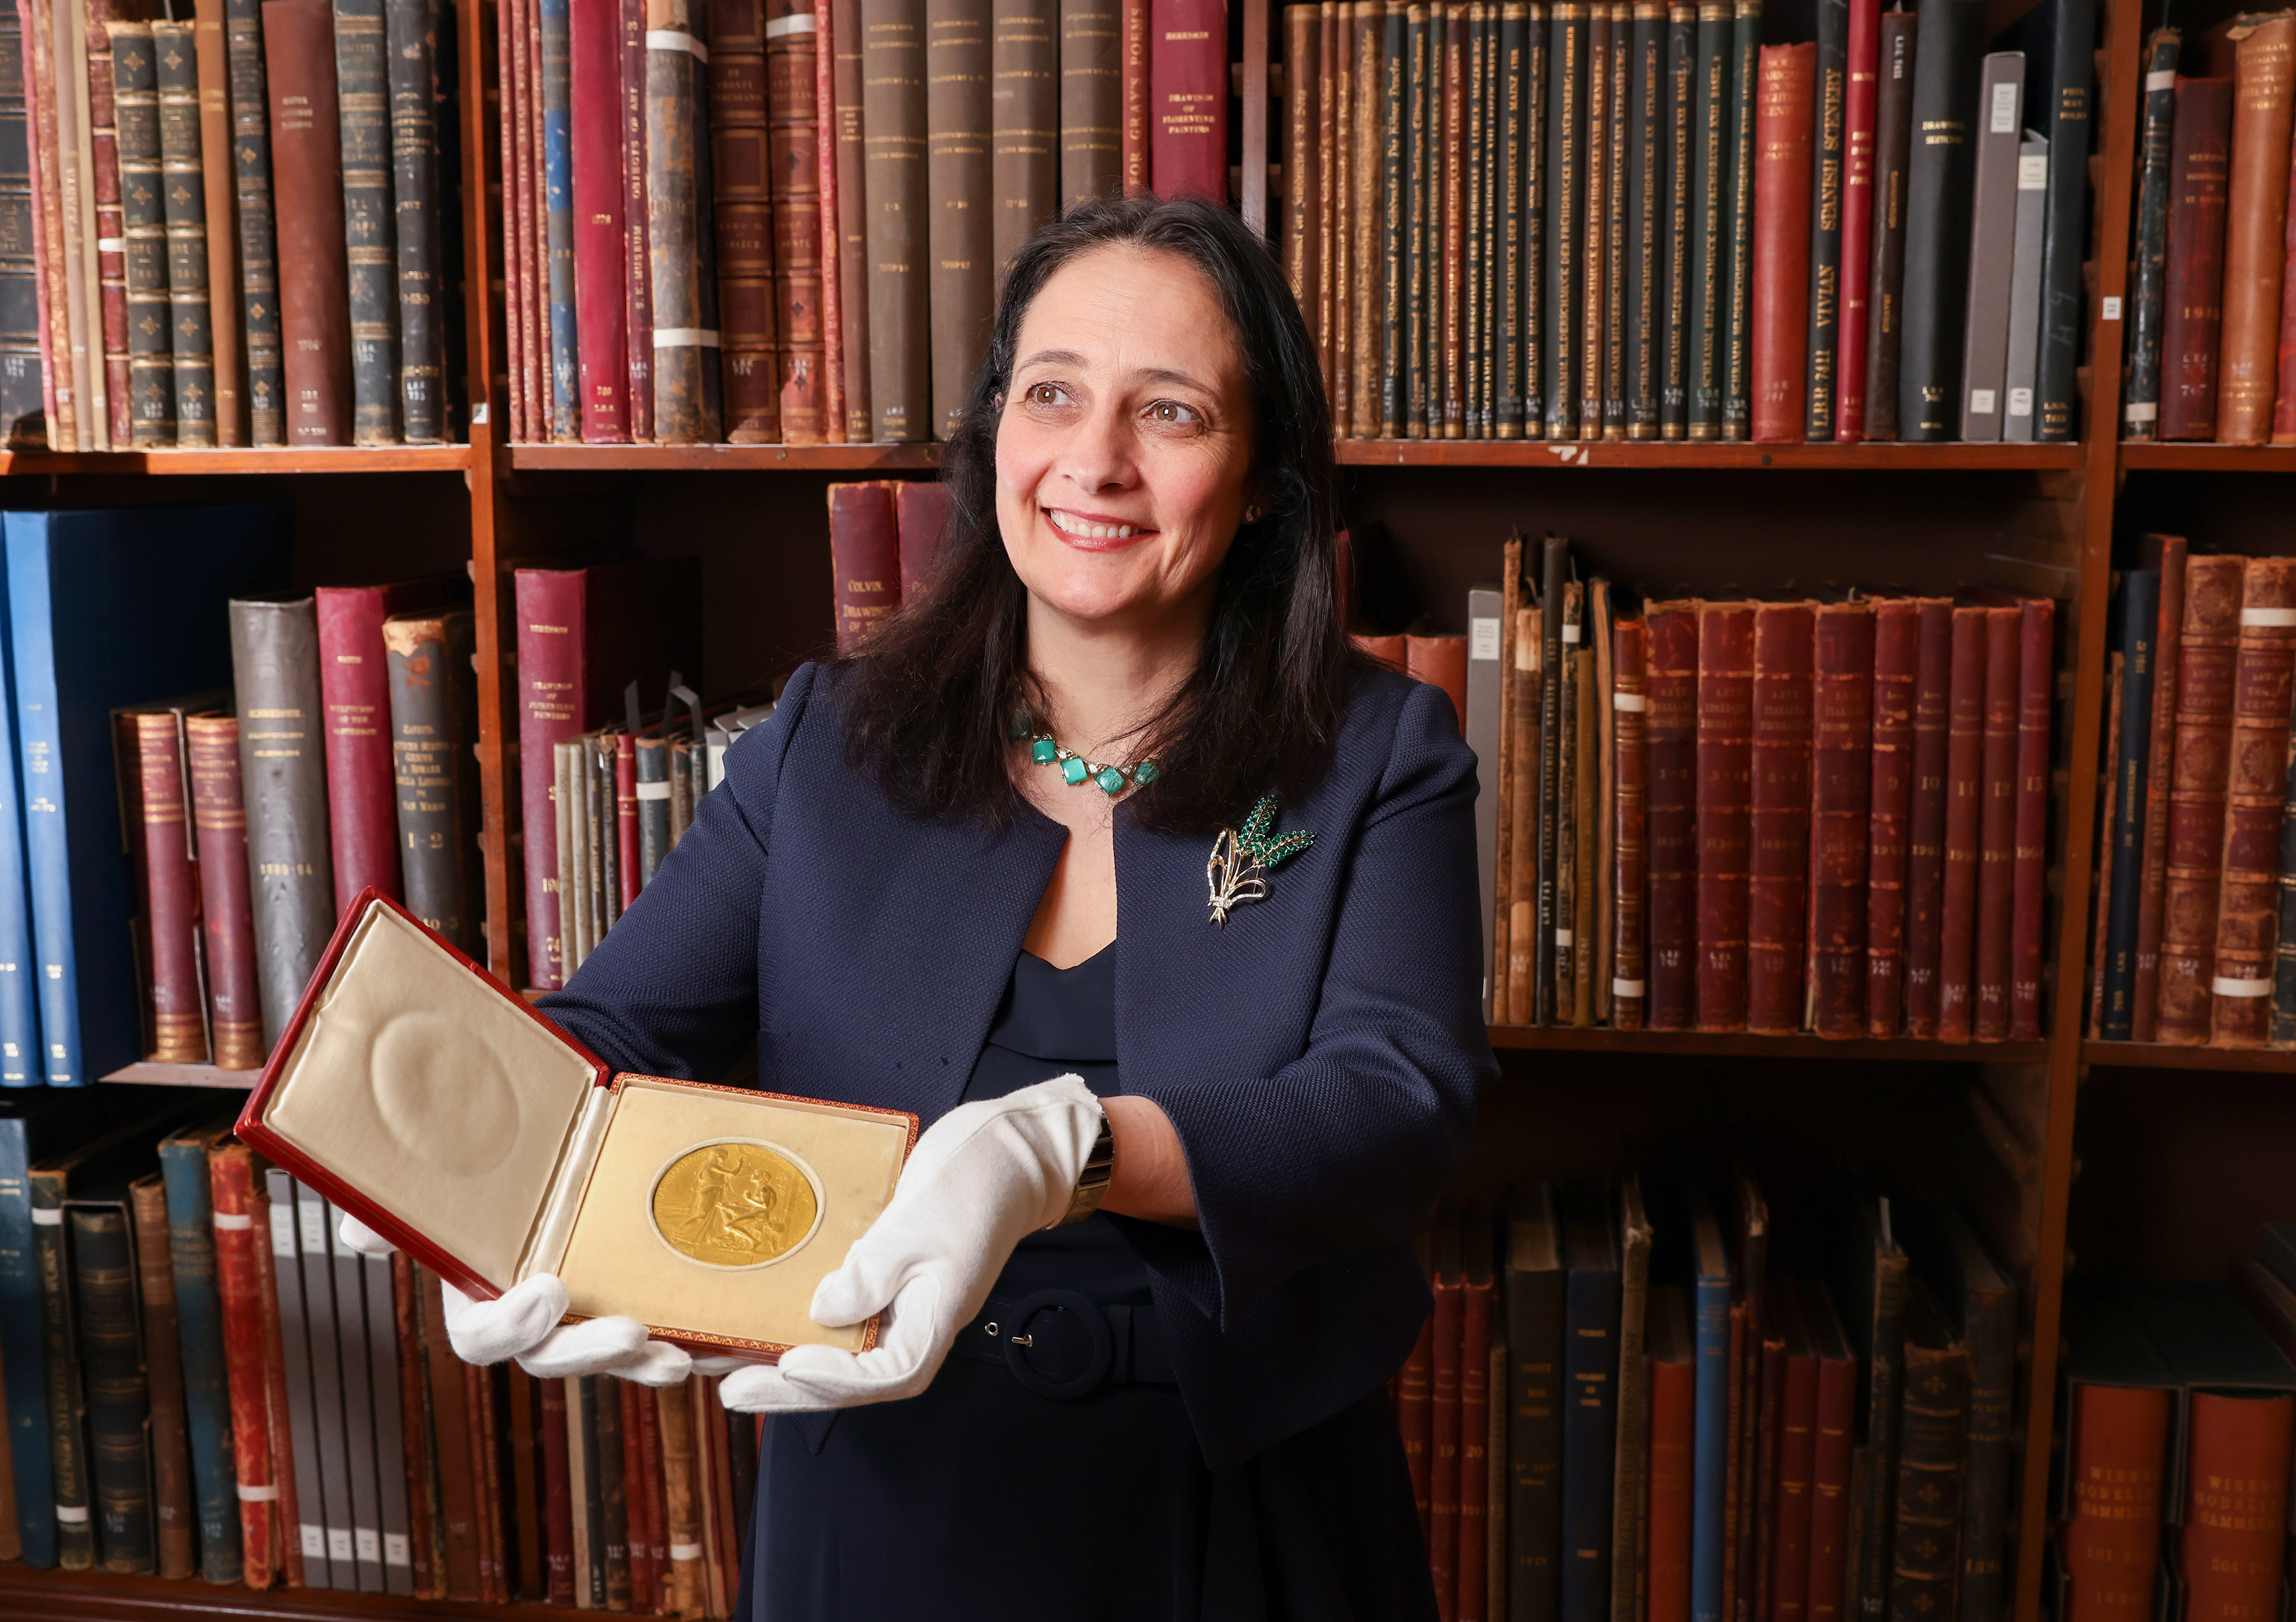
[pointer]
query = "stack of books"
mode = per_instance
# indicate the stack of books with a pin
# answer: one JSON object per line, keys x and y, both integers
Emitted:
{"x": 237, "y": 228}
{"x": 1518, "y": 220}
{"x": 201, "y": 1379}
{"x": 2212, "y": 343}
{"x": 762, "y": 221}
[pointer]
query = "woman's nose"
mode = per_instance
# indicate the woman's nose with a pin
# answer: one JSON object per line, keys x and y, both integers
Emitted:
{"x": 1098, "y": 457}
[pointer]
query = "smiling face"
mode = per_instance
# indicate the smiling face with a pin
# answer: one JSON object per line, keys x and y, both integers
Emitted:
{"x": 1124, "y": 447}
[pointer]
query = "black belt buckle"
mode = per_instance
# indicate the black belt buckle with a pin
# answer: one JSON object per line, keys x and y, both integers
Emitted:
{"x": 1086, "y": 1315}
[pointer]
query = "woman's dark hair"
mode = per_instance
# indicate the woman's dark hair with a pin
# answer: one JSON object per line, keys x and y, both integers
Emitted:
{"x": 928, "y": 705}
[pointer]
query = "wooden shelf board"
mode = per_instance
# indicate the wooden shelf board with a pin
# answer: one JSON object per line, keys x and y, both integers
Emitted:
{"x": 1745, "y": 1045}
{"x": 335, "y": 459}
{"x": 1649, "y": 454}
{"x": 669, "y": 458}
{"x": 27, "y": 1595}
{"x": 2170, "y": 1056}
{"x": 146, "y": 1074}
{"x": 2151, "y": 454}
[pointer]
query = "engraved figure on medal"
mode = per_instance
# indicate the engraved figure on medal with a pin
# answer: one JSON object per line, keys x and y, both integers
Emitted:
{"x": 735, "y": 1202}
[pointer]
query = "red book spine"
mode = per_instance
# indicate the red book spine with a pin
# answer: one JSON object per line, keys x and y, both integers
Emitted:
{"x": 626, "y": 814}
{"x": 1673, "y": 816}
{"x": 1778, "y": 883}
{"x": 864, "y": 550}
{"x": 1187, "y": 85}
{"x": 355, "y": 693}
{"x": 1725, "y": 750}
{"x": 2248, "y": 902}
{"x": 1133, "y": 143}
{"x": 637, "y": 271}
{"x": 655, "y": 1492}
{"x": 226, "y": 917}
{"x": 2200, "y": 176}
{"x": 2168, "y": 658}
{"x": 558, "y": 1492}
{"x": 1440, "y": 661}
{"x": 2236, "y": 1506}
{"x": 240, "y": 1244}
{"x": 1474, "y": 1454}
{"x": 1996, "y": 827}
{"x": 1415, "y": 1418}
{"x": 1673, "y": 1424}
{"x": 639, "y": 1545}
{"x": 1926, "y": 814}
{"x": 1829, "y": 1488}
{"x": 1630, "y": 877}
{"x": 1443, "y": 1455}
{"x": 1797, "y": 1461}
{"x": 1393, "y": 651}
{"x": 1897, "y": 648}
{"x": 1858, "y": 99}
{"x": 1842, "y": 799}
{"x": 2207, "y": 661}
{"x": 1965, "y": 776}
{"x": 923, "y": 508}
{"x": 288, "y": 1520}
{"x": 552, "y": 611}
{"x": 2284, "y": 403}
{"x": 1782, "y": 145}
{"x": 485, "y": 1461}
{"x": 602, "y": 315}
{"x": 2109, "y": 1543}
{"x": 422, "y": 1553}
{"x": 154, "y": 804}
{"x": 2028, "y": 874}
{"x": 306, "y": 179}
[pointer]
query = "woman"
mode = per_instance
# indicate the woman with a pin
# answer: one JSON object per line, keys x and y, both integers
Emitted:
{"x": 1249, "y": 1084}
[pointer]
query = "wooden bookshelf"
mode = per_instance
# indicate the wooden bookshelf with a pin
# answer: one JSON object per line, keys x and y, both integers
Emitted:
{"x": 1655, "y": 453}
{"x": 2168, "y": 1056}
{"x": 2152, "y": 455}
{"x": 1748, "y": 1045}
{"x": 147, "y": 1074}
{"x": 330, "y": 459}
{"x": 93, "y": 1597}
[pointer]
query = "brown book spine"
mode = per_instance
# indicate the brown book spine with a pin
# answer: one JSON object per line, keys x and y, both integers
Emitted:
{"x": 1584, "y": 821}
{"x": 307, "y": 173}
{"x": 1725, "y": 679}
{"x": 486, "y": 1441}
{"x": 163, "y": 1368}
{"x": 2111, "y": 1540}
{"x": 2284, "y": 408}
{"x": 1451, "y": 286}
{"x": 111, "y": 261}
{"x": 414, "y": 1451}
{"x": 517, "y": 221}
{"x": 1415, "y": 1418}
{"x": 1300, "y": 165}
{"x": 613, "y": 1492}
{"x": 1673, "y": 637}
{"x": 1503, "y": 831}
{"x": 184, "y": 186}
{"x": 639, "y": 1549}
{"x": 850, "y": 218}
{"x": 1928, "y": 811}
{"x": 2207, "y": 662}
{"x": 2234, "y": 1548}
{"x": 638, "y": 258}
{"x": 2264, "y": 96}
{"x": 1997, "y": 829}
{"x": 1600, "y": 620}
{"x": 219, "y": 177}
{"x": 1964, "y": 786}
{"x": 1897, "y": 651}
{"x": 2115, "y": 681}
{"x": 1092, "y": 95}
{"x": 1885, "y": 315}
{"x": 962, "y": 281}
{"x": 687, "y": 392}
{"x": 829, "y": 238}
{"x": 1842, "y": 803}
{"x": 1777, "y": 903}
{"x": 1337, "y": 45}
{"x": 1524, "y": 711}
{"x": 2248, "y": 903}
{"x": 1929, "y": 1467}
{"x": 800, "y": 272}
{"x": 1784, "y": 132}
{"x": 2029, "y": 864}
{"x": 2160, "y": 746}
{"x": 743, "y": 178}
{"x": 1024, "y": 125}
{"x": 243, "y": 1251}
{"x": 454, "y": 1442}
{"x": 1443, "y": 1495}
{"x": 900, "y": 326}
{"x": 1631, "y": 870}
{"x": 1133, "y": 152}
{"x": 683, "y": 1510}
{"x": 1367, "y": 169}
{"x": 151, "y": 749}
{"x": 227, "y": 921}
{"x": 2192, "y": 324}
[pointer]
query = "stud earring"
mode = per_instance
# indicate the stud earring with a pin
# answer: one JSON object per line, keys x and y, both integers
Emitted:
{"x": 1254, "y": 513}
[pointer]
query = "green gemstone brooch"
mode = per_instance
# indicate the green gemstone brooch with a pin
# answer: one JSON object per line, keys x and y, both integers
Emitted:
{"x": 1241, "y": 858}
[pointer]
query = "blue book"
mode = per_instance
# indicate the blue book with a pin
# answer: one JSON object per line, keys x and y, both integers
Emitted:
{"x": 2138, "y": 625}
{"x": 108, "y": 609}
{"x": 1710, "y": 1476}
{"x": 1590, "y": 1405}
{"x": 19, "y": 1017}
{"x": 199, "y": 1330}
{"x": 558, "y": 218}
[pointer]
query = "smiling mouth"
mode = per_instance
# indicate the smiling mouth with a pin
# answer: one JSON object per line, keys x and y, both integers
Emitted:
{"x": 1078, "y": 528}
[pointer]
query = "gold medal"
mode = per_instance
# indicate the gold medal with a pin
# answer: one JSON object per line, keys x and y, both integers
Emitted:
{"x": 734, "y": 1204}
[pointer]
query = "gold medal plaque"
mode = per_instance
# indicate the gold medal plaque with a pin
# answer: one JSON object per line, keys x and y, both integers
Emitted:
{"x": 734, "y": 1203}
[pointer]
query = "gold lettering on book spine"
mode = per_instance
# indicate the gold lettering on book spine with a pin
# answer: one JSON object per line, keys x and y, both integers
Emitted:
{"x": 734, "y": 1205}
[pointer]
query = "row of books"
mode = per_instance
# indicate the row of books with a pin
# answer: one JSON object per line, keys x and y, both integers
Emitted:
{"x": 201, "y": 1380}
{"x": 2212, "y": 334}
{"x": 783, "y": 220}
{"x": 1620, "y": 1411}
{"x": 238, "y": 227}
{"x": 1523, "y": 220}
{"x": 1774, "y": 817}
{"x": 2194, "y": 941}
{"x": 2179, "y": 1412}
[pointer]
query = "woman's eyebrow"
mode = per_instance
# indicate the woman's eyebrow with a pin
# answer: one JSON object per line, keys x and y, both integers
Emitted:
{"x": 1054, "y": 358}
{"x": 1158, "y": 374}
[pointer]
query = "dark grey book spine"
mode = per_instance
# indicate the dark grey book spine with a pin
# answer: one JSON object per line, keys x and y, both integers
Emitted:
{"x": 1710, "y": 246}
{"x": 1941, "y": 177}
{"x": 2283, "y": 962}
{"x": 1538, "y": 222}
{"x": 184, "y": 188}
{"x": 395, "y": 1511}
{"x": 2140, "y": 411}
{"x": 118, "y": 1398}
{"x": 1474, "y": 292}
{"x": 1828, "y": 152}
{"x": 2068, "y": 122}
{"x": 1509, "y": 132}
{"x": 363, "y": 96}
{"x": 411, "y": 61}
{"x": 1738, "y": 222}
{"x": 301, "y": 1418}
{"x": 433, "y": 725}
{"x": 314, "y": 1232}
{"x": 1673, "y": 293}
{"x": 351, "y": 1344}
{"x": 1395, "y": 219}
{"x": 1645, "y": 363}
{"x": 275, "y": 659}
{"x": 23, "y": 405}
{"x": 1092, "y": 93}
{"x": 258, "y": 259}
{"x": 143, "y": 221}
{"x": 1617, "y": 222}
{"x": 1558, "y": 315}
{"x": 1555, "y": 575}
{"x": 61, "y": 1369}
{"x": 1420, "y": 382}
{"x": 1885, "y": 298}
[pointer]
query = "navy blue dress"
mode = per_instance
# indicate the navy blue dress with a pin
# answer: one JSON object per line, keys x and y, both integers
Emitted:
{"x": 981, "y": 1498}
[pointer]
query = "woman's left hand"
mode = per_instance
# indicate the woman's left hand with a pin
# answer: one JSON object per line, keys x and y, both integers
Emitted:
{"x": 983, "y": 1177}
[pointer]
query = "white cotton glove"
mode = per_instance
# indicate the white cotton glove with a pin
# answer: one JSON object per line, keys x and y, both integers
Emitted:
{"x": 984, "y": 1177}
{"x": 523, "y": 1322}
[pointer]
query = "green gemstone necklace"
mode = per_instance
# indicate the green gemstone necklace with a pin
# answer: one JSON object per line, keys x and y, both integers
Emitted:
{"x": 1076, "y": 771}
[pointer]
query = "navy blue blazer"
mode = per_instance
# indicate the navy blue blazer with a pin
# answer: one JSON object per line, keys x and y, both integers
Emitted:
{"x": 1320, "y": 1056}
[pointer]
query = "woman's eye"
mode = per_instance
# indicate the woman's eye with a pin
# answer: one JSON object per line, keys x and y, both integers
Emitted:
{"x": 1044, "y": 394}
{"x": 1172, "y": 411}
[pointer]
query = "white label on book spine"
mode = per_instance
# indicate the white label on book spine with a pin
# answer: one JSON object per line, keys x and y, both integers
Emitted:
{"x": 2021, "y": 402}
{"x": 44, "y": 1217}
{"x": 233, "y": 1222}
{"x": 685, "y": 1551}
{"x": 685, "y": 338}
{"x": 72, "y": 1516}
{"x": 782, "y": 28}
{"x": 1633, "y": 701}
{"x": 2267, "y": 616}
{"x": 676, "y": 39}
{"x": 2142, "y": 411}
{"x": 2225, "y": 987}
{"x": 313, "y": 1215}
{"x": 1483, "y": 638}
{"x": 1981, "y": 401}
{"x": 314, "y": 1542}
{"x": 1570, "y": 632}
{"x": 283, "y": 1231}
{"x": 653, "y": 790}
{"x": 2164, "y": 81}
{"x": 394, "y": 1549}
{"x": 339, "y": 1543}
{"x": 2004, "y": 104}
{"x": 2111, "y": 310}
{"x": 257, "y": 1494}
{"x": 1628, "y": 988}
{"x": 369, "y": 1543}
{"x": 1562, "y": 937}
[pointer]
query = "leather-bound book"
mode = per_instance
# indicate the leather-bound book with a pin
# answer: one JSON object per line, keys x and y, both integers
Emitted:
{"x": 1091, "y": 58}
{"x": 1555, "y": 575}
{"x": 2208, "y": 659}
{"x": 612, "y": 1493}
{"x": 742, "y": 176}
{"x": 414, "y": 1451}
{"x": 1451, "y": 132}
{"x": 1997, "y": 828}
{"x": 2069, "y": 46}
{"x": 1783, "y": 136}
{"x": 1644, "y": 315}
{"x": 216, "y": 164}
{"x": 1681, "y": 76}
{"x": 1939, "y": 171}
{"x": 1963, "y": 783}
{"x": 1477, "y": 1303}
{"x": 551, "y": 94}
{"x": 184, "y": 1251}
{"x": 1777, "y": 901}
{"x": 1829, "y": 150}
{"x": 2029, "y": 863}
{"x": 1794, "y": 1441}
{"x": 1188, "y": 84}
{"x": 1440, "y": 661}
{"x": 226, "y": 921}
{"x": 1703, "y": 290}
{"x": 2122, "y": 860}
{"x": 275, "y": 656}
{"x": 850, "y": 219}
{"x": 169, "y": 1438}
{"x": 1586, "y": 821}
{"x": 1390, "y": 171}
{"x": 1525, "y": 704}
{"x": 185, "y": 189}
{"x": 922, "y": 507}
{"x": 1423, "y": 371}
{"x": 829, "y": 244}
{"x": 1338, "y": 56}
{"x": 1933, "y": 1443}
{"x": 119, "y": 1401}
{"x": 901, "y": 332}
{"x": 266, "y": 1509}
{"x": 363, "y": 90}
{"x": 110, "y": 292}
{"x": 1841, "y": 807}
{"x": 1303, "y": 89}
{"x": 2263, "y": 51}
{"x": 1593, "y": 244}
{"x": 1443, "y": 1409}
{"x": 2248, "y": 903}
{"x": 686, "y": 386}
{"x": 1674, "y": 633}
{"x": 1885, "y": 314}
{"x": 1897, "y": 655}
{"x": 2166, "y": 552}
{"x": 2283, "y": 988}
{"x": 526, "y": 411}
{"x": 1832, "y": 1537}
{"x": 1860, "y": 96}
{"x": 1726, "y": 676}
{"x": 433, "y": 720}
{"x": 23, "y": 386}
{"x": 1024, "y": 112}
{"x": 1132, "y": 150}
{"x": 2140, "y": 407}
{"x": 424, "y": 293}
{"x": 2233, "y": 1550}
{"x": 637, "y": 277}
{"x": 1992, "y": 244}
{"x": 151, "y": 394}
{"x": 1415, "y": 1417}
{"x": 1562, "y": 903}
{"x": 1615, "y": 222}
{"x": 797, "y": 215}
{"x": 452, "y": 1444}
{"x": 306, "y": 174}
{"x": 1672, "y": 1373}
{"x": 1559, "y": 315}
{"x": 1737, "y": 292}
{"x": 865, "y": 549}
{"x": 1518, "y": 199}
{"x": 154, "y": 805}
{"x": 1630, "y": 872}
{"x": 1590, "y": 1370}
{"x": 1536, "y": 1292}
{"x": 2121, "y": 1396}
{"x": 602, "y": 301}
{"x": 293, "y": 1382}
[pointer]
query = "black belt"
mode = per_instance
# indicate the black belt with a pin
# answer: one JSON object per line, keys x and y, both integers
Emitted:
{"x": 1063, "y": 1345}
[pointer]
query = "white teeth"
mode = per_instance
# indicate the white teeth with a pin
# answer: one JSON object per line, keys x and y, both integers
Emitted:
{"x": 1076, "y": 527}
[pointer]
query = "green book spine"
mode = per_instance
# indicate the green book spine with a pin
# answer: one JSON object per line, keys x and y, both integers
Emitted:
{"x": 1472, "y": 294}
{"x": 1419, "y": 378}
{"x": 1510, "y": 80}
{"x": 1646, "y": 222}
{"x": 1537, "y": 220}
{"x": 1709, "y": 185}
{"x": 68, "y": 1456}
{"x": 1674, "y": 286}
{"x": 1566, "y": 134}
{"x": 1737, "y": 355}
{"x": 1617, "y": 218}
{"x": 1396, "y": 233}
{"x": 1595, "y": 192}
